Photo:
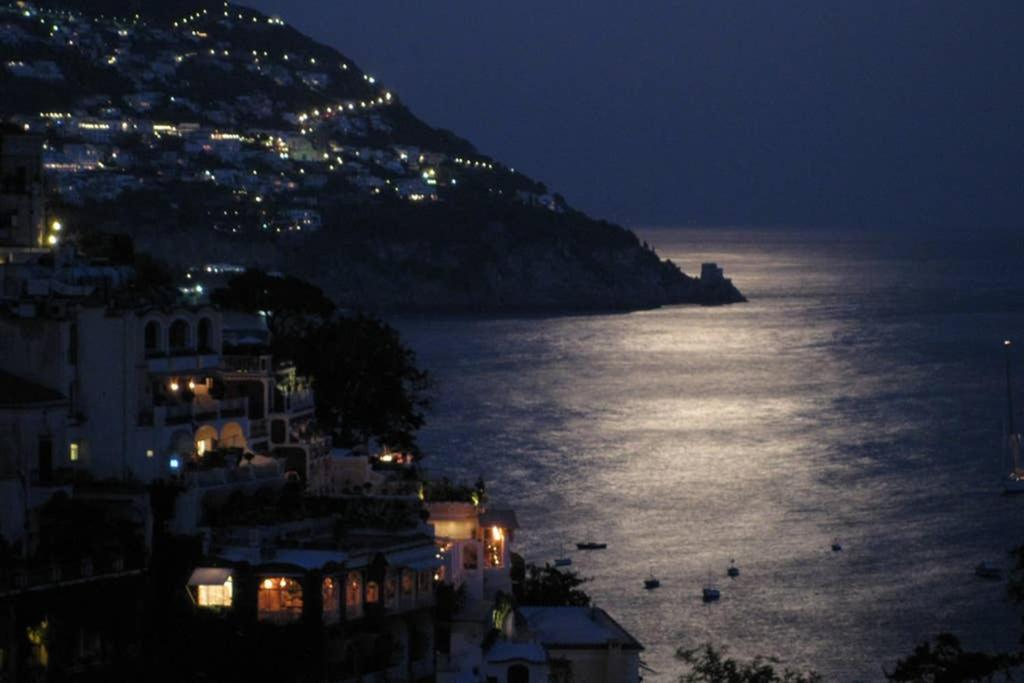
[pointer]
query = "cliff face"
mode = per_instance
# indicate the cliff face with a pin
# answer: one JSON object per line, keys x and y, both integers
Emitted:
{"x": 213, "y": 133}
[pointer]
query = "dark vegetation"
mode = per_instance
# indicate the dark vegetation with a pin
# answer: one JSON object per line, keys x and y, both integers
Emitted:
{"x": 708, "y": 665}
{"x": 547, "y": 586}
{"x": 367, "y": 384}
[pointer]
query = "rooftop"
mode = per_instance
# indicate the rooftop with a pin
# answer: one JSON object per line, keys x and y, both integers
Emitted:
{"x": 16, "y": 392}
{"x": 576, "y": 627}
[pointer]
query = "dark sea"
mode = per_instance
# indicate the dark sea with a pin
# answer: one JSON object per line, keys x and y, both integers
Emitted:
{"x": 859, "y": 395}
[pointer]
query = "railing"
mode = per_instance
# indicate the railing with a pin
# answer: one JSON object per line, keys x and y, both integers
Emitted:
{"x": 86, "y": 568}
{"x": 301, "y": 399}
{"x": 242, "y": 363}
{"x": 182, "y": 413}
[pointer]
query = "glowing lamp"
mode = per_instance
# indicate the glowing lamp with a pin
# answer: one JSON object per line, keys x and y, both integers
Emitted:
{"x": 191, "y": 383}
{"x": 175, "y": 463}
{"x": 174, "y": 385}
{"x": 56, "y": 226}
{"x": 268, "y": 584}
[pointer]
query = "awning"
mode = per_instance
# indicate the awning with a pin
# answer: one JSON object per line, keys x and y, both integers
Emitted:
{"x": 209, "y": 576}
{"x": 423, "y": 557}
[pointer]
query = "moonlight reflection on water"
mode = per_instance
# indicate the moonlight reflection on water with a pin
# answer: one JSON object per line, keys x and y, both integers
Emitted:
{"x": 858, "y": 395}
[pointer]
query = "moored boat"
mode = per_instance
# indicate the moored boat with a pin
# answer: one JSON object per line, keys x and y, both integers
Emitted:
{"x": 590, "y": 545}
{"x": 710, "y": 592}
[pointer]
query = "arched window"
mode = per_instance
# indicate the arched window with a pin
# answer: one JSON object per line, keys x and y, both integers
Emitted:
{"x": 204, "y": 335}
{"x": 152, "y": 336}
{"x": 177, "y": 337}
{"x": 372, "y": 592}
{"x": 329, "y": 595}
{"x": 279, "y": 600}
{"x": 354, "y": 595}
{"x": 517, "y": 673}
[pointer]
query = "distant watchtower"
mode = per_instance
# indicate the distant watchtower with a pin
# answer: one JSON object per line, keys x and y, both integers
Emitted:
{"x": 22, "y": 206}
{"x": 710, "y": 273}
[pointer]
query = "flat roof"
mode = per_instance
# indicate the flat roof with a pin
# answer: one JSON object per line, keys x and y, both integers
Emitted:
{"x": 16, "y": 392}
{"x": 576, "y": 628}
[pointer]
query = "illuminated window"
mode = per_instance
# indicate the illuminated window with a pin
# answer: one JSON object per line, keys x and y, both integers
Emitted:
{"x": 280, "y": 600}
{"x": 149, "y": 452}
{"x": 372, "y": 592}
{"x": 73, "y": 451}
{"x": 408, "y": 582}
{"x": 354, "y": 595}
{"x": 494, "y": 547}
{"x": 216, "y": 596}
{"x": 330, "y": 594}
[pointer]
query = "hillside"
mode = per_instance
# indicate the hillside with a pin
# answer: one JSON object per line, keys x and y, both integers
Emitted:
{"x": 214, "y": 134}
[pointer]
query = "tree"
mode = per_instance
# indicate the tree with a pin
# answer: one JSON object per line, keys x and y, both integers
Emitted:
{"x": 947, "y": 662}
{"x": 366, "y": 381}
{"x": 291, "y": 306}
{"x": 708, "y": 665}
{"x": 549, "y": 587}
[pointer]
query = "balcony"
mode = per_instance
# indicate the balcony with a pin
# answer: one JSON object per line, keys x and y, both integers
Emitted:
{"x": 182, "y": 360}
{"x": 195, "y": 411}
{"x": 256, "y": 365}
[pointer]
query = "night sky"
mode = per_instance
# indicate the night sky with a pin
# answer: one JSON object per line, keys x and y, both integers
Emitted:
{"x": 809, "y": 112}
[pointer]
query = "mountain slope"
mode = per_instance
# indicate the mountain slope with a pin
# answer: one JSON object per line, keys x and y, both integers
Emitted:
{"x": 216, "y": 134}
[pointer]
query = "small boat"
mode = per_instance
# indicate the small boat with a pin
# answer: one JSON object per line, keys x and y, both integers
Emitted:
{"x": 651, "y": 582}
{"x": 836, "y": 545}
{"x": 710, "y": 592}
{"x": 987, "y": 570}
{"x": 563, "y": 561}
{"x": 733, "y": 571}
{"x": 590, "y": 545}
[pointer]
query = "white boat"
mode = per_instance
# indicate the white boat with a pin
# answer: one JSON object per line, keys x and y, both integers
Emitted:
{"x": 987, "y": 570}
{"x": 1014, "y": 479}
